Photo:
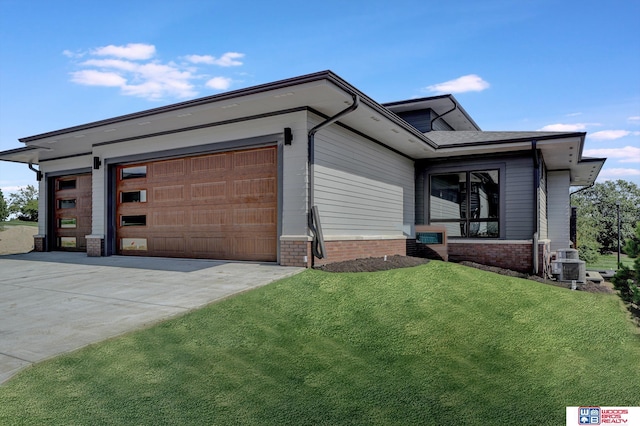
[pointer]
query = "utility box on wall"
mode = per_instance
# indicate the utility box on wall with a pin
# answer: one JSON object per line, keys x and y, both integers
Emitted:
{"x": 431, "y": 242}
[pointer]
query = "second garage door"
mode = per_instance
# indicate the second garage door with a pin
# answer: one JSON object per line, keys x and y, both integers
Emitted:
{"x": 215, "y": 206}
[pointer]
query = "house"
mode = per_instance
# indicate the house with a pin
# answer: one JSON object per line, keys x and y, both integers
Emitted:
{"x": 304, "y": 171}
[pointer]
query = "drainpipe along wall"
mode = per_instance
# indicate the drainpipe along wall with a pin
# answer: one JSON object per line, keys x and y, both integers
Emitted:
{"x": 536, "y": 205}
{"x": 317, "y": 244}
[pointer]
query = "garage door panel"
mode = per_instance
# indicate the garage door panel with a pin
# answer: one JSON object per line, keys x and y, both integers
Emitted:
{"x": 208, "y": 191}
{"x": 168, "y": 168}
{"x": 221, "y": 205}
{"x": 210, "y": 217}
{"x": 168, "y": 194}
{"x": 211, "y": 164}
{"x": 257, "y": 216}
{"x": 168, "y": 245}
{"x": 169, "y": 218}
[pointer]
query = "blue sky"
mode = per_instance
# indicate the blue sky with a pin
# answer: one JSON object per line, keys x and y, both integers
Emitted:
{"x": 513, "y": 65}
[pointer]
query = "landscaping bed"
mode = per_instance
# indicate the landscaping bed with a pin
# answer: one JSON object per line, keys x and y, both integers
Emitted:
{"x": 373, "y": 264}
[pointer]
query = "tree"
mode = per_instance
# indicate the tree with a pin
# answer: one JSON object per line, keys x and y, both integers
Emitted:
{"x": 597, "y": 213}
{"x": 4, "y": 209}
{"x": 632, "y": 245}
{"x": 24, "y": 203}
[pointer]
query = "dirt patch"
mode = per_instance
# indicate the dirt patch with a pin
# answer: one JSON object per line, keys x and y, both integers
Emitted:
{"x": 373, "y": 264}
{"x": 16, "y": 239}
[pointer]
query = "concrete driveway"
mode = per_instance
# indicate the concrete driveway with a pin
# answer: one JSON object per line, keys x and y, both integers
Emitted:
{"x": 51, "y": 303}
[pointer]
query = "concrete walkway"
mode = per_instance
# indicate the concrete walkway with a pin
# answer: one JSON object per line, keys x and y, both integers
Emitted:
{"x": 51, "y": 303}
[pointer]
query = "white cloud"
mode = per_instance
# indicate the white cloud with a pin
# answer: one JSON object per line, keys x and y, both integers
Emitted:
{"x": 133, "y": 51}
{"x": 229, "y": 59}
{"x": 132, "y": 70}
{"x": 98, "y": 78}
{"x": 219, "y": 83}
{"x": 466, "y": 83}
{"x": 608, "y": 135}
{"x": 628, "y": 154}
{"x": 118, "y": 64}
{"x": 560, "y": 127}
{"x": 635, "y": 118}
{"x": 574, "y": 114}
{"x": 617, "y": 173}
{"x": 200, "y": 59}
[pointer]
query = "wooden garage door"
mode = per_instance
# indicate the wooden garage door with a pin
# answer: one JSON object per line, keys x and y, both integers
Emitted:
{"x": 215, "y": 206}
{"x": 72, "y": 212}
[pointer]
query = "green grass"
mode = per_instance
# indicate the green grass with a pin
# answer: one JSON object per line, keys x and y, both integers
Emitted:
{"x": 439, "y": 344}
{"x": 610, "y": 262}
{"x": 15, "y": 222}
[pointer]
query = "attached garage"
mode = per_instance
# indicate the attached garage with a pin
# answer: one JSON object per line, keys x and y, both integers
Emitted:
{"x": 218, "y": 206}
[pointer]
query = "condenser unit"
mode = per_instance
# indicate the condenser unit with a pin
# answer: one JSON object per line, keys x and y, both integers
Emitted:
{"x": 568, "y": 270}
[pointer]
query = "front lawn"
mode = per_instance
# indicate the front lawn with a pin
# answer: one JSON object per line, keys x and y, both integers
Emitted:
{"x": 438, "y": 344}
{"x": 610, "y": 262}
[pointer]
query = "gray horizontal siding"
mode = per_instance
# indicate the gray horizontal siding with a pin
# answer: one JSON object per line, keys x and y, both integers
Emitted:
{"x": 519, "y": 200}
{"x": 362, "y": 188}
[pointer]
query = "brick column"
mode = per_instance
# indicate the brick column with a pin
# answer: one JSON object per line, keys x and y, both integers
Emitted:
{"x": 39, "y": 243}
{"x": 95, "y": 245}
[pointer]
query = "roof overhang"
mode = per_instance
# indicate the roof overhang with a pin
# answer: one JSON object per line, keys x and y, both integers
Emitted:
{"x": 323, "y": 93}
{"x": 560, "y": 151}
{"x": 444, "y": 105}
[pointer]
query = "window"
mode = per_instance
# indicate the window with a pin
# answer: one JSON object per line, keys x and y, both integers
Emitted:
{"x": 133, "y": 172}
{"x": 135, "y": 244}
{"x": 133, "y": 197}
{"x": 137, "y": 220}
{"x": 67, "y": 242}
{"x": 467, "y": 203}
{"x": 66, "y": 184}
{"x": 70, "y": 222}
{"x": 67, "y": 204}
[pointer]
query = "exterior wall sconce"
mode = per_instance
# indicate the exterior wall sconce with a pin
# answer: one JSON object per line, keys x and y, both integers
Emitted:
{"x": 288, "y": 136}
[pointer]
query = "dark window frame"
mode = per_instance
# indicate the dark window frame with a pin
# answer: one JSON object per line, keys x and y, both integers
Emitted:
{"x": 465, "y": 221}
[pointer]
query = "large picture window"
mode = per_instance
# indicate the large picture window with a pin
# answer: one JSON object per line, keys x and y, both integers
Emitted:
{"x": 467, "y": 203}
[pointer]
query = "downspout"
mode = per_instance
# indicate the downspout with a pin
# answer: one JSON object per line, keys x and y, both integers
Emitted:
{"x": 455, "y": 106}
{"x": 317, "y": 244}
{"x": 38, "y": 172}
{"x": 536, "y": 205}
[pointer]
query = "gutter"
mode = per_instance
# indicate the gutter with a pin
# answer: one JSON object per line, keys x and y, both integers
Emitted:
{"x": 455, "y": 106}
{"x": 37, "y": 172}
{"x": 317, "y": 244}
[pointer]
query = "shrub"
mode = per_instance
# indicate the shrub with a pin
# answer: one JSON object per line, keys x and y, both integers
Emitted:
{"x": 626, "y": 280}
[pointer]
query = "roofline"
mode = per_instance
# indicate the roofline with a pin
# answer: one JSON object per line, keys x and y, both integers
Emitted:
{"x": 328, "y": 75}
{"x": 559, "y": 135}
{"x": 429, "y": 98}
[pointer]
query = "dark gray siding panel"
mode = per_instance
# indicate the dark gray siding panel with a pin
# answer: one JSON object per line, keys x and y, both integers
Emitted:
{"x": 517, "y": 208}
{"x": 420, "y": 119}
{"x": 519, "y": 199}
{"x": 441, "y": 124}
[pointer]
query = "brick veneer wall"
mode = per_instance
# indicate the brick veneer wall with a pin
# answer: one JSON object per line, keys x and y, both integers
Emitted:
{"x": 513, "y": 255}
{"x": 338, "y": 251}
{"x": 292, "y": 252}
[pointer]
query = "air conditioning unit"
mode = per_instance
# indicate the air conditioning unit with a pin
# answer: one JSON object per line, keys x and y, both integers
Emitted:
{"x": 568, "y": 270}
{"x": 567, "y": 253}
